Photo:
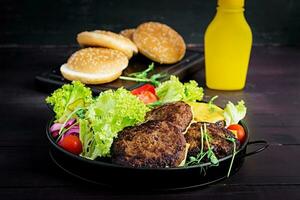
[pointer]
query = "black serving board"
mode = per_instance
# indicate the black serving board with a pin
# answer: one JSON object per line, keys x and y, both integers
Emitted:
{"x": 192, "y": 62}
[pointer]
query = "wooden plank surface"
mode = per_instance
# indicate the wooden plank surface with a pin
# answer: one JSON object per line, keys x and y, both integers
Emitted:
{"x": 272, "y": 95}
{"x": 30, "y": 22}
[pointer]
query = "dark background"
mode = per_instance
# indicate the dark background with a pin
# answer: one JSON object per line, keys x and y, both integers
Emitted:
{"x": 38, "y": 22}
{"x": 38, "y": 35}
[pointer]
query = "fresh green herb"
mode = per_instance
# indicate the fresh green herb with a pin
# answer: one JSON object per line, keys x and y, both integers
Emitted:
{"x": 143, "y": 76}
{"x": 197, "y": 160}
{"x": 211, "y": 105}
{"x": 213, "y": 159}
{"x": 209, "y": 154}
{"x": 81, "y": 113}
{"x": 202, "y": 138}
{"x": 233, "y": 140}
{"x": 155, "y": 78}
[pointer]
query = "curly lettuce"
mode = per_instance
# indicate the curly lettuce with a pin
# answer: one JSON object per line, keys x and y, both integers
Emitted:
{"x": 173, "y": 90}
{"x": 192, "y": 92}
{"x": 110, "y": 113}
{"x": 86, "y": 137}
{"x": 68, "y": 98}
{"x": 234, "y": 113}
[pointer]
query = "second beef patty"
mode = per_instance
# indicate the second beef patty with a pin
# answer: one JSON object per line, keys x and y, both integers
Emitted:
{"x": 217, "y": 138}
{"x": 178, "y": 113}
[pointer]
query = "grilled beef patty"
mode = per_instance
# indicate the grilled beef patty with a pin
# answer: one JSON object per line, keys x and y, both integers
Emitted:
{"x": 221, "y": 123}
{"x": 217, "y": 139}
{"x": 178, "y": 113}
{"x": 153, "y": 144}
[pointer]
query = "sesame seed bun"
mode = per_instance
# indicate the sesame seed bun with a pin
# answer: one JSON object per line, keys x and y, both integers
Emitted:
{"x": 95, "y": 65}
{"x": 159, "y": 42}
{"x": 128, "y": 33}
{"x": 107, "y": 39}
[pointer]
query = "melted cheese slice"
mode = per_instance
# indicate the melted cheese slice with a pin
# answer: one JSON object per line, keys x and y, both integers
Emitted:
{"x": 204, "y": 113}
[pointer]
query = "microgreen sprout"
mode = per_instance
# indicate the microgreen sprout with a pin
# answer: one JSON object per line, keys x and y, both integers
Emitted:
{"x": 211, "y": 105}
{"x": 143, "y": 76}
{"x": 233, "y": 155}
{"x": 209, "y": 154}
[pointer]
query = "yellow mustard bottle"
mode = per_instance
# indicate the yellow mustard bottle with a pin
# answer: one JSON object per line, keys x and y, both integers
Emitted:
{"x": 227, "y": 47}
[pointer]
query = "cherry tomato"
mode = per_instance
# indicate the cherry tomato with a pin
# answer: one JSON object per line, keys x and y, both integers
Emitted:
{"x": 146, "y": 87}
{"x": 145, "y": 93}
{"x": 240, "y": 132}
{"x": 147, "y": 97}
{"x": 71, "y": 143}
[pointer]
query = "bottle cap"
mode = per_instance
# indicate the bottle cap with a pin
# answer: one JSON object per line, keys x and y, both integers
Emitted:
{"x": 231, "y": 4}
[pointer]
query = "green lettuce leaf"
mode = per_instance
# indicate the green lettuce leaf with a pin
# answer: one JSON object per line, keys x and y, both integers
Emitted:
{"x": 234, "y": 113}
{"x": 173, "y": 90}
{"x": 110, "y": 113}
{"x": 192, "y": 91}
{"x": 86, "y": 137}
{"x": 68, "y": 98}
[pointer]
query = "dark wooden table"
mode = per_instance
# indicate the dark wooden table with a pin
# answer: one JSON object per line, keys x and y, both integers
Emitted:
{"x": 272, "y": 95}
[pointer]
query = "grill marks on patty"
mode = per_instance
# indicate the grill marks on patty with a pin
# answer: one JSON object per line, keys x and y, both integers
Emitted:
{"x": 218, "y": 134}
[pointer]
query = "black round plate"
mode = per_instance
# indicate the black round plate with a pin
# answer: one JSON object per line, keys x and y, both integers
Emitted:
{"x": 169, "y": 187}
{"x": 105, "y": 173}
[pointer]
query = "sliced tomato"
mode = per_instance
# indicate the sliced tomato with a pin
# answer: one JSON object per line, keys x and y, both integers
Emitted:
{"x": 146, "y": 87}
{"x": 71, "y": 143}
{"x": 147, "y": 97}
{"x": 239, "y": 130}
{"x": 145, "y": 93}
